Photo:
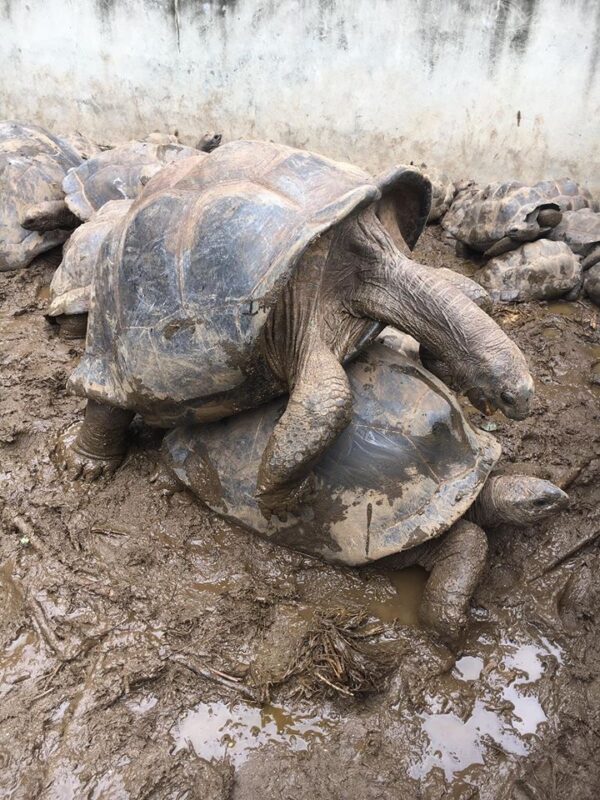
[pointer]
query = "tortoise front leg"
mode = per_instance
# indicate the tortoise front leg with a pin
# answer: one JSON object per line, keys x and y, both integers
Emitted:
{"x": 97, "y": 446}
{"x": 456, "y": 564}
{"x": 319, "y": 408}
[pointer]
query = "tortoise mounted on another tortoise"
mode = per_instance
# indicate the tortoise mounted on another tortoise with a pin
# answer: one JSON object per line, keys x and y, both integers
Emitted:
{"x": 262, "y": 272}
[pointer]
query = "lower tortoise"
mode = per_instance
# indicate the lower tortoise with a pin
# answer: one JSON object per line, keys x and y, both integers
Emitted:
{"x": 408, "y": 480}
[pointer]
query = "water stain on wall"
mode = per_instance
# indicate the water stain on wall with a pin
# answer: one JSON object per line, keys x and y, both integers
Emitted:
{"x": 513, "y": 24}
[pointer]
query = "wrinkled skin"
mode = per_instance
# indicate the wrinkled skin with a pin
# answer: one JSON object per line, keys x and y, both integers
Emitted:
{"x": 457, "y": 559}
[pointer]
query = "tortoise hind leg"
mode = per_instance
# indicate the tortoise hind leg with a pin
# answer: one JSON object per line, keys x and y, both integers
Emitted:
{"x": 319, "y": 408}
{"x": 456, "y": 564}
{"x": 97, "y": 446}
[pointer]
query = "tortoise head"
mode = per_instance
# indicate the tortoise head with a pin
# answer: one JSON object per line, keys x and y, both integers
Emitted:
{"x": 506, "y": 388}
{"x": 209, "y": 142}
{"x": 494, "y": 378}
{"x": 521, "y": 500}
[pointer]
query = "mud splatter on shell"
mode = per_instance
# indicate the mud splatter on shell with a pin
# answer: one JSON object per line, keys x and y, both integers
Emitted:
{"x": 405, "y": 469}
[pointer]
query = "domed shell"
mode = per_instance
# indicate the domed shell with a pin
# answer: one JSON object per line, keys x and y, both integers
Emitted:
{"x": 117, "y": 174}
{"x": 405, "y": 469}
{"x": 33, "y": 164}
{"x": 71, "y": 284}
{"x": 482, "y": 217}
{"x": 568, "y": 194}
{"x": 581, "y": 231}
{"x": 541, "y": 270}
{"x": 187, "y": 280}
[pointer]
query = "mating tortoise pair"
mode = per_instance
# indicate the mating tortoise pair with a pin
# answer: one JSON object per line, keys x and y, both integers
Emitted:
{"x": 261, "y": 271}
{"x": 502, "y": 216}
{"x": 408, "y": 480}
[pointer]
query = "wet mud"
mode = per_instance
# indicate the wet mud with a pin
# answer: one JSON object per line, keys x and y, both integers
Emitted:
{"x": 150, "y": 650}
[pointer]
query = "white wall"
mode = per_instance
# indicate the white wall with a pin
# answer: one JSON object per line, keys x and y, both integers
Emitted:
{"x": 483, "y": 88}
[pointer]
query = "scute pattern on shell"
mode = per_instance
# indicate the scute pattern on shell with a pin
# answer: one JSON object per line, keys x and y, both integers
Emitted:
{"x": 482, "y": 217}
{"x": 406, "y": 468}
{"x": 540, "y": 270}
{"x": 186, "y": 282}
{"x": 118, "y": 174}
{"x": 568, "y": 194}
{"x": 33, "y": 164}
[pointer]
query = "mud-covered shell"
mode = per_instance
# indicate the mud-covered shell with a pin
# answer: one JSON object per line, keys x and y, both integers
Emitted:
{"x": 117, "y": 174}
{"x": 71, "y": 284}
{"x": 480, "y": 218}
{"x": 187, "y": 281}
{"x": 405, "y": 469}
{"x": 541, "y": 270}
{"x": 33, "y": 164}
{"x": 581, "y": 231}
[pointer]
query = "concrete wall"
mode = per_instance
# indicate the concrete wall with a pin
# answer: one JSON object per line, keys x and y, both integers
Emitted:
{"x": 483, "y": 88}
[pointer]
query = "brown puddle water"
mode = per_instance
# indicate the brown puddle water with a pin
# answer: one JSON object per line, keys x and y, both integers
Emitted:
{"x": 403, "y": 607}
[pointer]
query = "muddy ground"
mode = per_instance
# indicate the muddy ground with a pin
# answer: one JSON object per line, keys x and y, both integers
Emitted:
{"x": 149, "y": 650}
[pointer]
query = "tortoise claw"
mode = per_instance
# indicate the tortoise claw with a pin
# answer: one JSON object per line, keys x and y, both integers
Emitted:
{"x": 287, "y": 501}
{"x": 79, "y": 465}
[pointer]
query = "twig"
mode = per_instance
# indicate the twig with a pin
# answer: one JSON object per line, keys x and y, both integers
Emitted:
{"x": 211, "y": 674}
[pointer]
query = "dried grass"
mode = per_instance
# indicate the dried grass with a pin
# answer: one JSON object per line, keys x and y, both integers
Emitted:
{"x": 341, "y": 654}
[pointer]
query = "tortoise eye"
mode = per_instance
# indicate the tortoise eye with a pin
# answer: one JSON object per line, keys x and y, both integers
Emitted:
{"x": 507, "y": 398}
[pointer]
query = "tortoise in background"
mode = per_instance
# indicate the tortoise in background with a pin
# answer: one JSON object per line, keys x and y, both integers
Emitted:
{"x": 71, "y": 284}
{"x": 540, "y": 270}
{"x": 117, "y": 174}
{"x": 70, "y": 290}
{"x": 262, "y": 273}
{"x": 408, "y": 480}
{"x": 33, "y": 214}
{"x": 500, "y": 217}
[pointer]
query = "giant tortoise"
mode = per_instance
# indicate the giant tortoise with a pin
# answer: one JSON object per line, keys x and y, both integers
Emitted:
{"x": 408, "y": 468}
{"x": 118, "y": 174}
{"x": 500, "y": 217}
{"x": 33, "y": 214}
{"x": 71, "y": 284}
{"x": 262, "y": 273}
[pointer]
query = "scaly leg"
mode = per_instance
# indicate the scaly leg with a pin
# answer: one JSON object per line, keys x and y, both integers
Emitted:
{"x": 97, "y": 446}
{"x": 319, "y": 408}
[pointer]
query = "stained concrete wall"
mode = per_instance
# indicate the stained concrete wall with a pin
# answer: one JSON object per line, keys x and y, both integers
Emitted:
{"x": 483, "y": 88}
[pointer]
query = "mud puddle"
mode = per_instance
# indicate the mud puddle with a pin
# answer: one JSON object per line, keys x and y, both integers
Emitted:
{"x": 219, "y": 730}
{"x": 506, "y": 712}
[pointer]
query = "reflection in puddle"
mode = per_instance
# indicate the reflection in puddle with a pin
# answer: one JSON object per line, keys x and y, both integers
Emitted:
{"x": 468, "y": 668}
{"x": 508, "y": 711}
{"x": 216, "y": 730}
